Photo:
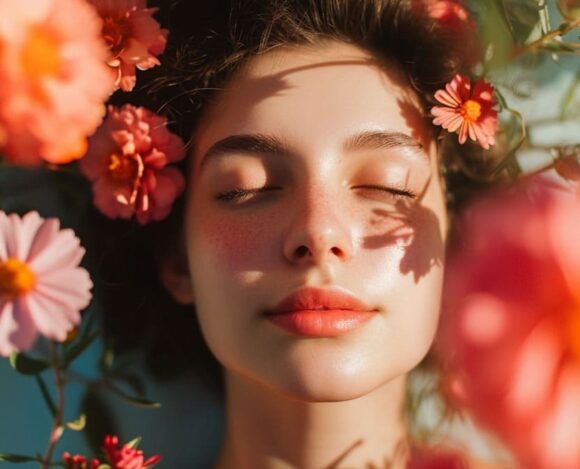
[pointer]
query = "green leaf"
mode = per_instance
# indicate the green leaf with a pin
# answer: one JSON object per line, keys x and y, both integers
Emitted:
{"x": 104, "y": 466}
{"x": 27, "y": 365}
{"x": 74, "y": 350}
{"x": 46, "y": 395}
{"x": 16, "y": 458}
{"x": 569, "y": 95}
{"x": 500, "y": 98}
{"x": 134, "y": 443}
{"x": 78, "y": 424}
{"x": 136, "y": 401}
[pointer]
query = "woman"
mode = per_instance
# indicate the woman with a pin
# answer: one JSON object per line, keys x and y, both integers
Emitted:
{"x": 314, "y": 224}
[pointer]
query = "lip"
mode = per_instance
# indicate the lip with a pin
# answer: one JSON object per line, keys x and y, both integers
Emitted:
{"x": 317, "y": 312}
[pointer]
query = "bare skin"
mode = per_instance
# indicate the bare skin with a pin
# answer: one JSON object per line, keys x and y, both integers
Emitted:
{"x": 353, "y": 203}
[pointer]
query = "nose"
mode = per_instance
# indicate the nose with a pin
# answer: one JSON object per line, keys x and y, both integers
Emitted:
{"x": 319, "y": 233}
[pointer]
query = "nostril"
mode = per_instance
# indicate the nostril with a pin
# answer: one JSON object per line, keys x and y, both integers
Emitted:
{"x": 336, "y": 251}
{"x": 301, "y": 251}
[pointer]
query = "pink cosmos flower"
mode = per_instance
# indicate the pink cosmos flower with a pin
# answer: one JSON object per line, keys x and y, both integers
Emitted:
{"x": 512, "y": 321}
{"x": 54, "y": 79}
{"x": 126, "y": 457}
{"x": 127, "y": 161}
{"x": 470, "y": 113}
{"x": 42, "y": 287}
{"x": 134, "y": 37}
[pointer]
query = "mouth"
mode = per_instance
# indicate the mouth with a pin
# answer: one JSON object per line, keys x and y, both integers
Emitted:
{"x": 317, "y": 312}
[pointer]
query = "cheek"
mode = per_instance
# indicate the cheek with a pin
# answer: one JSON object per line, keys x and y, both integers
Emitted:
{"x": 234, "y": 243}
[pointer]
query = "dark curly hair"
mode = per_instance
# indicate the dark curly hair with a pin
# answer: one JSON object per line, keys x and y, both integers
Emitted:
{"x": 209, "y": 41}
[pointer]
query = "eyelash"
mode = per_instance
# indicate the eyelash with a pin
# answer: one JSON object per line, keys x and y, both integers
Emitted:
{"x": 395, "y": 191}
{"x": 240, "y": 193}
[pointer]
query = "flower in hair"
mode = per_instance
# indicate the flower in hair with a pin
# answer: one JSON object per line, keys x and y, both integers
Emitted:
{"x": 53, "y": 79}
{"x": 469, "y": 112}
{"x": 42, "y": 287}
{"x": 133, "y": 36}
{"x": 512, "y": 321}
{"x": 127, "y": 163}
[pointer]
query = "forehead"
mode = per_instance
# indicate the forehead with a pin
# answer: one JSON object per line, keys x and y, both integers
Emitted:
{"x": 315, "y": 96}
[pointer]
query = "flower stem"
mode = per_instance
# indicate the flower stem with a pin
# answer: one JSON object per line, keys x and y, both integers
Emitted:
{"x": 57, "y": 427}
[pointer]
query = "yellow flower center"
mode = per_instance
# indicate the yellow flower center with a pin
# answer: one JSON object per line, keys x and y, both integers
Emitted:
{"x": 471, "y": 110}
{"x": 16, "y": 278}
{"x": 121, "y": 168}
{"x": 41, "y": 54}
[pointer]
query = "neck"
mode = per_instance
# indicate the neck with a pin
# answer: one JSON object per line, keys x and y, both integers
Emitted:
{"x": 267, "y": 430}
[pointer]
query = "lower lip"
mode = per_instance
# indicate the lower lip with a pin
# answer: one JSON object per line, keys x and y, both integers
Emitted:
{"x": 321, "y": 323}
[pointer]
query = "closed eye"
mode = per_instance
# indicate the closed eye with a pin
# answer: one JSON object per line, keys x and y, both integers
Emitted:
{"x": 240, "y": 194}
{"x": 392, "y": 191}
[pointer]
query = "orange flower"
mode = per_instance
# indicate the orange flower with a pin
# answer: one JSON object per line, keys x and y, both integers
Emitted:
{"x": 512, "y": 321}
{"x": 134, "y": 38}
{"x": 469, "y": 113}
{"x": 53, "y": 77}
{"x": 127, "y": 161}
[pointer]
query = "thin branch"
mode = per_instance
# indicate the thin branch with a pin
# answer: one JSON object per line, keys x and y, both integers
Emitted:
{"x": 57, "y": 427}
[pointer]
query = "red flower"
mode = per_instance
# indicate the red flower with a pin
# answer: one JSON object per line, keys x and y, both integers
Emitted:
{"x": 79, "y": 462}
{"x": 126, "y": 457}
{"x": 512, "y": 322}
{"x": 127, "y": 161}
{"x": 467, "y": 112}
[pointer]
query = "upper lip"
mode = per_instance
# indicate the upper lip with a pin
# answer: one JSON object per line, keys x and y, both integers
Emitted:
{"x": 313, "y": 298}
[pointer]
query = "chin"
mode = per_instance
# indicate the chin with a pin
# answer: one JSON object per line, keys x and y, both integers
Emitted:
{"x": 331, "y": 381}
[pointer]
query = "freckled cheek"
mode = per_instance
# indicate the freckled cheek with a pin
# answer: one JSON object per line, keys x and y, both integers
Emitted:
{"x": 236, "y": 242}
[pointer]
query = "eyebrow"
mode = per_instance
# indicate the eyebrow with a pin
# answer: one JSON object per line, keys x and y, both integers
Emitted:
{"x": 267, "y": 144}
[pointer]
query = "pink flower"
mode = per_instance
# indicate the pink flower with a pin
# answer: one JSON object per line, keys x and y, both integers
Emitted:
{"x": 134, "y": 38}
{"x": 466, "y": 112}
{"x": 512, "y": 321}
{"x": 127, "y": 161}
{"x": 42, "y": 287}
{"x": 53, "y": 77}
{"x": 126, "y": 457}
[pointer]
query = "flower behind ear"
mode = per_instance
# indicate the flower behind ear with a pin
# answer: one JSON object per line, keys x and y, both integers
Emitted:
{"x": 127, "y": 162}
{"x": 469, "y": 113}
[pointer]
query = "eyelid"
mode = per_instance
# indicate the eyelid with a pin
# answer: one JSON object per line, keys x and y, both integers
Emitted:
{"x": 394, "y": 190}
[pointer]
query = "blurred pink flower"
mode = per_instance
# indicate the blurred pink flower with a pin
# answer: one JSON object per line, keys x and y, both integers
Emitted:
{"x": 451, "y": 13}
{"x": 126, "y": 457}
{"x": 54, "y": 79}
{"x": 134, "y": 37}
{"x": 42, "y": 287}
{"x": 512, "y": 321}
{"x": 470, "y": 113}
{"x": 127, "y": 161}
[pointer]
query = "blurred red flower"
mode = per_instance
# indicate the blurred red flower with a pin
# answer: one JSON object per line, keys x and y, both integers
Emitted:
{"x": 53, "y": 79}
{"x": 470, "y": 113}
{"x": 127, "y": 456}
{"x": 79, "y": 462}
{"x": 133, "y": 36}
{"x": 127, "y": 161}
{"x": 512, "y": 321}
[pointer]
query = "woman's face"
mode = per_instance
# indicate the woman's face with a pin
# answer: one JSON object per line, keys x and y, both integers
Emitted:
{"x": 315, "y": 177}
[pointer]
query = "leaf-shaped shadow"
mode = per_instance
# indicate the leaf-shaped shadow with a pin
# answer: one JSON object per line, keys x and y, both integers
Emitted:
{"x": 416, "y": 230}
